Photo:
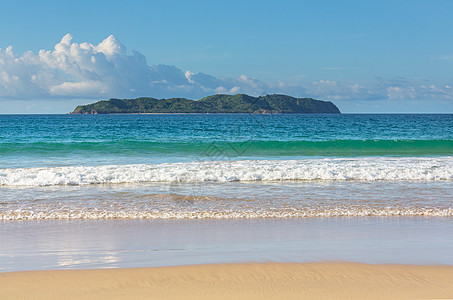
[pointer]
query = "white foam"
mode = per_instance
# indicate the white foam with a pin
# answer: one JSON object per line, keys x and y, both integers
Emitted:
{"x": 226, "y": 214}
{"x": 364, "y": 169}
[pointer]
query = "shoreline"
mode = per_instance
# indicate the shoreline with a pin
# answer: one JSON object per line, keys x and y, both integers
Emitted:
{"x": 341, "y": 280}
{"x": 114, "y": 243}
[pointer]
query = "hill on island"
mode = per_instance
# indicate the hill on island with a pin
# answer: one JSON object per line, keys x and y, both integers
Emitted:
{"x": 212, "y": 104}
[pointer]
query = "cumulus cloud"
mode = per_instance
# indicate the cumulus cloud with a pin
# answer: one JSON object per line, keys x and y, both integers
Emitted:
{"x": 104, "y": 70}
{"x": 108, "y": 69}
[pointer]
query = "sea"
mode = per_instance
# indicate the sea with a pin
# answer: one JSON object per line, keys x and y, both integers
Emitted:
{"x": 255, "y": 170}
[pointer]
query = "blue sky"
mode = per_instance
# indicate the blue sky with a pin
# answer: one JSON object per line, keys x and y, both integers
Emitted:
{"x": 365, "y": 56}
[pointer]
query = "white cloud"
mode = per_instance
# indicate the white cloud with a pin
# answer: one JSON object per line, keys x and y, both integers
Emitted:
{"x": 402, "y": 90}
{"x": 108, "y": 69}
{"x": 396, "y": 92}
{"x": 71, "y": 88}
{"x": 327, "y": 89}
{"x": 103, "y": 70}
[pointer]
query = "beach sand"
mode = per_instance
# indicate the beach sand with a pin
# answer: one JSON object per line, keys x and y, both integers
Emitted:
{"x": 235, "y": 281}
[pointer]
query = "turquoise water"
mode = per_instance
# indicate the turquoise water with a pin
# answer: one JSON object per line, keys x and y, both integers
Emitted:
{"x": 225, "y": 166}
{"x": 60, "y": 140}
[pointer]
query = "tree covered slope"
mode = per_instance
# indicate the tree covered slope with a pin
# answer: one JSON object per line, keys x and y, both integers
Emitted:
{"x": 212, "y": 104}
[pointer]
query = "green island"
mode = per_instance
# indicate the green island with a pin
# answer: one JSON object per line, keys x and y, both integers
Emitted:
{"x": 220, "y": 103}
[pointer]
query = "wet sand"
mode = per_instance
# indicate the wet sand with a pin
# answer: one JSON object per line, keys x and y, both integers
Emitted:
{"x": 101, "y": 244}
{"x": 235, "y": 281}
{"x": 391, "y": 258}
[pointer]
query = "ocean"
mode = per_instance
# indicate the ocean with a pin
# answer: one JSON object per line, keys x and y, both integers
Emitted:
{"x": 275, "y": 168}
{"x": 224, "y": 166}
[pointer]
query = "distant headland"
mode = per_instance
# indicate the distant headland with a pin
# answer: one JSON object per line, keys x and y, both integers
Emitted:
{"x": 220, "y": 103}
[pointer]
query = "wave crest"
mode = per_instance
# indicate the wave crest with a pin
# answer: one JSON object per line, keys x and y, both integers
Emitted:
{"x": 359, "y": 169}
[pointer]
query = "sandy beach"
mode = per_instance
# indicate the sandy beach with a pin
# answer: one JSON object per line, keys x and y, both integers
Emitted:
{"x": 235, "y": 281}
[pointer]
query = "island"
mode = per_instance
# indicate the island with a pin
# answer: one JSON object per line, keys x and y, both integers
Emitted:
{"x": 220, "y": 103}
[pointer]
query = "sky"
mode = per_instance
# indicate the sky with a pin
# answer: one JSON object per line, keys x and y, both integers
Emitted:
{"x": 365, "y": 56}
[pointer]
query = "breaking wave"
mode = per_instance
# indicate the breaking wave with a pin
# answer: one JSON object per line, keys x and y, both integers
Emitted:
{"x": 333, "y": 169}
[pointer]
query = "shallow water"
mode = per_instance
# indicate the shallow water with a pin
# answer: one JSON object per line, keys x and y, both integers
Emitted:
{"x": 227, "y": 200}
